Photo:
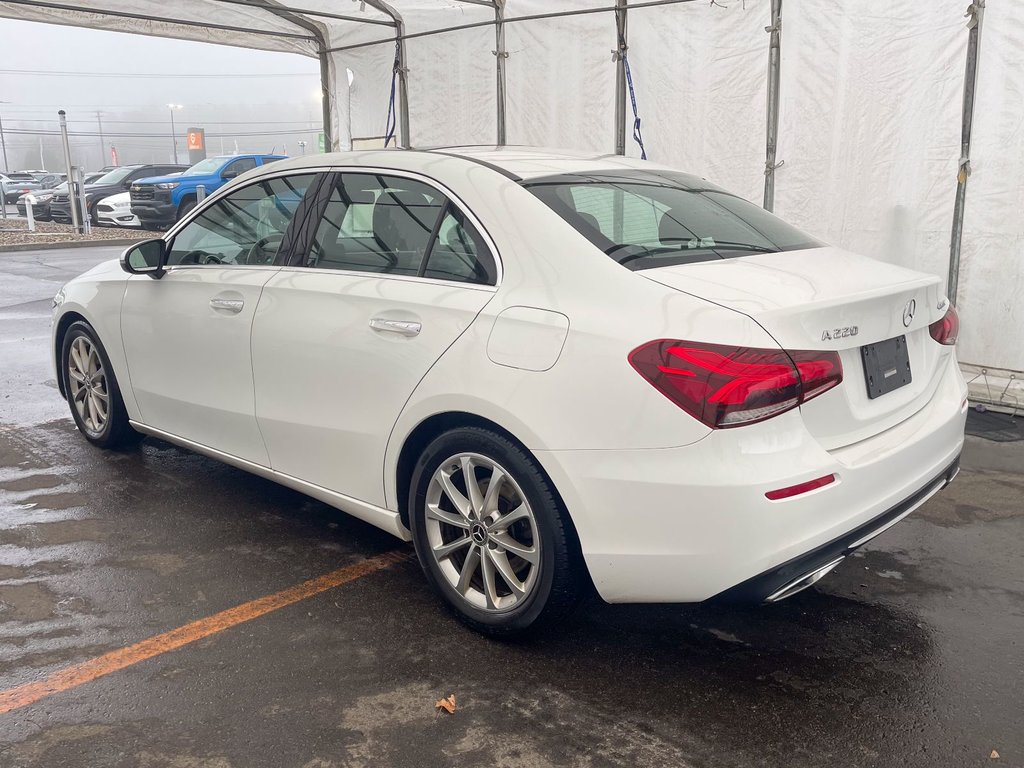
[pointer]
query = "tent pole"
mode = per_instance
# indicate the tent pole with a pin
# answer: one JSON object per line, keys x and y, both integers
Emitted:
{"x": 403, "y": 68}
{"x": 772, "y": 132}
{"x": 620, "y": 77}
{"x": 326, "y": 100}
{"x": 319, "y": 33}
{"x": 501, "y": 54}
{"x": 976, "y": 12}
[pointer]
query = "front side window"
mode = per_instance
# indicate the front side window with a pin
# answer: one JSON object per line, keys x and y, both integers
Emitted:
{"x": 238, "y": 167}
{"x": 244, "y": 227}
{"x": 645, "y": 220}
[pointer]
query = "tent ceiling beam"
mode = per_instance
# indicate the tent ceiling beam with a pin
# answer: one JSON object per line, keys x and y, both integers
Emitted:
{"x": 309, "y": 12}
{"x": 508, "y": 20}
{"x": 323, "y": 43}
{"x": 160, "y": 19}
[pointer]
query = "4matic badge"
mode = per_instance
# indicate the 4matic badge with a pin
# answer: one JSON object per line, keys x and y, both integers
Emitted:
{"x": 839, "y": 333}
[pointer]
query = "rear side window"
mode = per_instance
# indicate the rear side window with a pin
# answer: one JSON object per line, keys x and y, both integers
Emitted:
{"x": 398, "y": 226}
{"x": 459, "y": 253}
{"x": 647, "y": 220}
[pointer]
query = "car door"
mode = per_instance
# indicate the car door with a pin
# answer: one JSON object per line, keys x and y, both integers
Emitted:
{"x": 394, "y": 273}
{"x": 186, "y": 335}
{"x": 236, "y": 168}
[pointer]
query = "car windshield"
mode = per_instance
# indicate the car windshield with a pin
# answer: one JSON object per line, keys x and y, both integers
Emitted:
{"x": 206, "y": 167}
{"x": 115, "y": 176}
{"x": 646, "y": 219}
{"x": 21, "y": 177}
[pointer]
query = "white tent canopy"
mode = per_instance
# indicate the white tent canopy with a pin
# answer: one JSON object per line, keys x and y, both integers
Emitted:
{"x": 867, "y": 105}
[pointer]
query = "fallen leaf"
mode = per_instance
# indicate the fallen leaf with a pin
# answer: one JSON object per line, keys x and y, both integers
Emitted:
{"x": 448, "y": 705}
{"x": 994, "y": 755}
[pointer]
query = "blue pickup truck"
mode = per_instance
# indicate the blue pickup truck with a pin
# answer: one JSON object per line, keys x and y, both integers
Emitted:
{"x": 159, "y": 201}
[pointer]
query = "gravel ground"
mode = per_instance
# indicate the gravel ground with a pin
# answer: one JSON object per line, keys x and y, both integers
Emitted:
{"x": 15, "y": 232}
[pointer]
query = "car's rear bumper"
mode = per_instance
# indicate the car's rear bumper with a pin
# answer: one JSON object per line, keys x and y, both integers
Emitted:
{"x": 691, "y": 523}
{"x": 803, "y": 571}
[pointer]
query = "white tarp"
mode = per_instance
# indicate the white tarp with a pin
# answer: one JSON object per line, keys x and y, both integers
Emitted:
{"x": 870, "y": 108}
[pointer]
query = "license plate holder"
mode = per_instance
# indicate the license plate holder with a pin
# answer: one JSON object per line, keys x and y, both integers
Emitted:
{"x": 886, "y": 366}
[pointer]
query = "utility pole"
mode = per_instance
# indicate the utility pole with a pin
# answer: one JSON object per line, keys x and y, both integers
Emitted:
{"x": 174, "y": 135}
{"x": 3, "y": 143}
{"x": 103, "y": 146}
{"x": 72, "y": 191}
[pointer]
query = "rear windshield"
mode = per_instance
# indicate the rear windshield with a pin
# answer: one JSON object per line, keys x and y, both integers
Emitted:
{"x": 646, "y": 219}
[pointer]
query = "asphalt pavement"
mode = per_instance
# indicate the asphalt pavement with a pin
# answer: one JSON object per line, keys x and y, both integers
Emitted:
{"x": 910, "y": 654}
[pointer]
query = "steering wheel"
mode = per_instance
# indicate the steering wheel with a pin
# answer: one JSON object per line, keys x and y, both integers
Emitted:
{"x": 201, "y": 257}
{"x": 258, "y": 253}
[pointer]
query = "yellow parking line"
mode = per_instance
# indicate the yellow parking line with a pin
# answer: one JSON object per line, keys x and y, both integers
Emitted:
{"x": 87, "y": 671}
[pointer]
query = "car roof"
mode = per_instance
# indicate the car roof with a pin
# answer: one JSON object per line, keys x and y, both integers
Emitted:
{"x": 519, "y": 163}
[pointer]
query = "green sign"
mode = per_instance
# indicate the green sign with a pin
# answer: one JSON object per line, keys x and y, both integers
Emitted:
{"x": 320, "y": 142}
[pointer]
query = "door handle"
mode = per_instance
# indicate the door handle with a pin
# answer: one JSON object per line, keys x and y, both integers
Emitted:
{"x": 403, "y": 327}
{"x": 229, "y": 305}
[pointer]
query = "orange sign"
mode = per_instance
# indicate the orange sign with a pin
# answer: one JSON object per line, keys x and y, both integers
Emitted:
{"x": 196, "y": 139}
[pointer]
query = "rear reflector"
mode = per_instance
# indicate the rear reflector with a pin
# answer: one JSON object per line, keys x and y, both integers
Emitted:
{"x": 726, "y": 386}
{"x": 947, "y": 329}
{"x": 796, "y": 490}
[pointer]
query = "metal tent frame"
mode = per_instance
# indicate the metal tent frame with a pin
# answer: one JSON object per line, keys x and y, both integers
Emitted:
{"x": 306, "y": 32}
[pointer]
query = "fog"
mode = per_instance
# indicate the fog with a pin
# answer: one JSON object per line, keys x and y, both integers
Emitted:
{"x": 248, "y": 101}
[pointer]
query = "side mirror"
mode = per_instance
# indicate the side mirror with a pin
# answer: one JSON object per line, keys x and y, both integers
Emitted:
{"x": 145, "y": 258}
{"x": 228, "y": 175}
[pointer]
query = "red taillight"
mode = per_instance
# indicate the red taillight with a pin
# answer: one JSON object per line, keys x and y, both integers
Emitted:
{"x": 796, "y": 490}
{"x": 947, "y": 329}
{"x": 726, "y": 386}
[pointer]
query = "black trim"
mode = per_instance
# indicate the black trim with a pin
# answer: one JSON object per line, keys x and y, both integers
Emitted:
{"x": 759, "y": 588}
{"x": 497, "y": 168}
{"x": 299, "y": 233}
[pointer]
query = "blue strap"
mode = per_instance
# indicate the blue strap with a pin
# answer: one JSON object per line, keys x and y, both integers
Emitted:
{"x": 389, "y": 124}
{"x": 637, "y": 136}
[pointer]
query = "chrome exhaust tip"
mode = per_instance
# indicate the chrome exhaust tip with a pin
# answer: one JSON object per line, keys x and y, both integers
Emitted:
{"x": 803, "y": 582}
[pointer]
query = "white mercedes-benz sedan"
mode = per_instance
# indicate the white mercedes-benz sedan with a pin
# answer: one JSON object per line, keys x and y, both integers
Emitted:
{"x": 550, "y": 371}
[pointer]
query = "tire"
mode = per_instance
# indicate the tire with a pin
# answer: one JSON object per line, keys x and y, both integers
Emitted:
{"x": 185, "y": 208}
{"x": 88, "y": 380}
{"x": 550, "y": 575}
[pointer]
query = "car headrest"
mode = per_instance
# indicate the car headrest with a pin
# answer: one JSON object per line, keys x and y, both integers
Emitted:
{"x": 401, "y": 219}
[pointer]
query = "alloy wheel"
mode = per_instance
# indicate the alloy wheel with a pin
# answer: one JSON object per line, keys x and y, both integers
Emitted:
{"x": 87, "y": 382}
{"x": 482, "y": 532}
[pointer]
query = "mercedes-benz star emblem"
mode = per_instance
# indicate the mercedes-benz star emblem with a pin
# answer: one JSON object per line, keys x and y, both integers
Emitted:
{"x": 908, "y": 313}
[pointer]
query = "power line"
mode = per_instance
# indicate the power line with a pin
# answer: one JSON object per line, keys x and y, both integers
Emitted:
{"x": 204, "y": 75}
{"x": 27, "y": 132}
{"x": 164, "y": 122}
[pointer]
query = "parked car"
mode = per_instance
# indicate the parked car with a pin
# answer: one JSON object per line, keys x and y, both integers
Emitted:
{"x": 112, "y": 182}
{"x": 159, "y": 202}
{"x": 42, "y": 197}
{"x": 15, "y": 184}
{"x": 50, "y": 180}
{"x": 116, "y": 211}
{"x": 546, "y": 370}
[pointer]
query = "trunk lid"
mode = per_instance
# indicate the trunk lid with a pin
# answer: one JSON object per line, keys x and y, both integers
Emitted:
{"x": 830, "y": 299}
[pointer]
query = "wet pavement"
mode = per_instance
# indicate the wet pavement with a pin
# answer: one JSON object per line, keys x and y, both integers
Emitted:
{"x": 912, "y": 653}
